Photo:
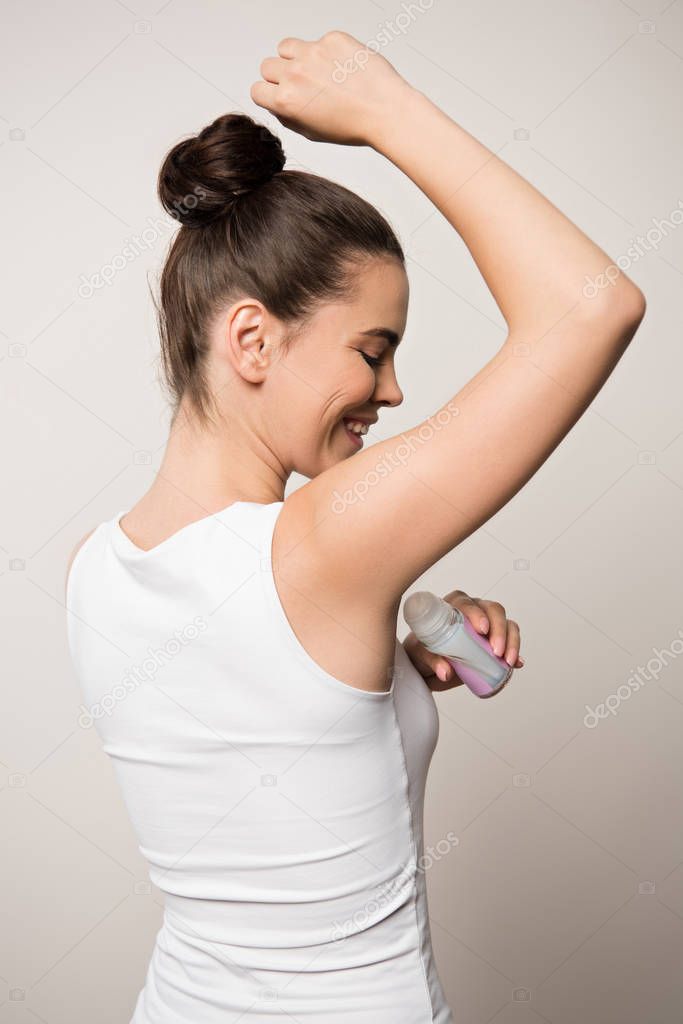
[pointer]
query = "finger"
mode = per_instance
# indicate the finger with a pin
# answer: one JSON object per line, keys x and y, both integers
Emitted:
{"x": 443, "y": 670}
{"x": 473, "y": 610}
{"x": 290, "y": 47}
{"x": 266, "y": 94}
{"x": 512, "y": 643}
{"x": 469, "y": 606}
{"x": 428, "y": 663}
{"x": 497, "y": 636}
{"x": 272, "y": 69}
{"x": 504, "y": 635}
{"x": 421, "y": 658}
{"x": 434, "y": 683}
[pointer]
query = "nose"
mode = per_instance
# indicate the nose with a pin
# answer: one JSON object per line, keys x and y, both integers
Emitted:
{"x": 388, "y": 393}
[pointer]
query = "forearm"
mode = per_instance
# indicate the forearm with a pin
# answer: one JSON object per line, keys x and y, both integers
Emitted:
{"x": 532, "y": 257}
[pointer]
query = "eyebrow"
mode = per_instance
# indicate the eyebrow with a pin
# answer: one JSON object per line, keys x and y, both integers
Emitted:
{"x": 383, "y": 332}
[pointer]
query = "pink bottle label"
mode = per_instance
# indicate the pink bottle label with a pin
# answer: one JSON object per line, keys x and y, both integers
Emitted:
{"x": 478, "y": 683}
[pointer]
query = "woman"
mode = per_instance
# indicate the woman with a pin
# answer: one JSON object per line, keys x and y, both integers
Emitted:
{"x": 238, "y": 650}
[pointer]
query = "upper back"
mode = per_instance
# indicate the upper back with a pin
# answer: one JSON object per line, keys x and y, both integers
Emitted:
{"x": 225, "y": 734}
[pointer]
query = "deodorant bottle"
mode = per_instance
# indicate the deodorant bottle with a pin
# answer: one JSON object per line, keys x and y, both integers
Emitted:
{"x": 445, "y": 631}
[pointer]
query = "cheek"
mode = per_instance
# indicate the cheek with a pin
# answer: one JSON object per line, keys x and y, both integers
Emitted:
{"x": 345, "y": 393}
{"x": 313, "y": 402}
{"x": 357, "y": 383}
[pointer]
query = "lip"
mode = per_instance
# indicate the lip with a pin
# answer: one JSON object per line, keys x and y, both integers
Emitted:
{"x": 356, "y": 439}
{"x": 361, "y": 419}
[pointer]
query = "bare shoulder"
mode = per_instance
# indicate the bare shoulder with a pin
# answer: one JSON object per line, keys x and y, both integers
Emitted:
{"x": 345, "y": 632}
{"x": 295, "y": 555}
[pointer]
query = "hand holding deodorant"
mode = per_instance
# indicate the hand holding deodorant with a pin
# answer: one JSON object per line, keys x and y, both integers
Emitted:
{"x": 445, "y": 631}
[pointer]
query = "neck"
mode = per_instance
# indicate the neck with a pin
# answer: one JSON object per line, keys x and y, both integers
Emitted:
{"x": 208, "y": 467}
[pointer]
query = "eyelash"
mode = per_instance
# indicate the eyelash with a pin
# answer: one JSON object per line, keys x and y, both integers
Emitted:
{"x": 371, "y": 360}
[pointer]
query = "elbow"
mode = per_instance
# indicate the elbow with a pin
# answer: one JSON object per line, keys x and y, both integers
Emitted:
{"x": 623, "y": 311}
{"x": 635, "y": 306}
{"x": 633, "y": 313}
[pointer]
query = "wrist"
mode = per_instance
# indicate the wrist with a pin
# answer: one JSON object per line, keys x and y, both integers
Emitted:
{"x": 392, "y": 119}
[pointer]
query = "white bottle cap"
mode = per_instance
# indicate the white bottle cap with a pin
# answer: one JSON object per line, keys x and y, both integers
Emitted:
{"x": 426, "y": 613}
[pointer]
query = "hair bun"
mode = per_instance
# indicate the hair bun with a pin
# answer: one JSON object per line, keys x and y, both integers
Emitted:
{"x": 200, "y": 177}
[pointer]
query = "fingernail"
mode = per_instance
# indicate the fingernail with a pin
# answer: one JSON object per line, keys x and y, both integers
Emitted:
{"x": 442, "y": 672}
{"x": 483, "y": 625}
{"x": 521, "y": 661}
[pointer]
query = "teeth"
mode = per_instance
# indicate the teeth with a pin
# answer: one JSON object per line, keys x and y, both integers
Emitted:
{"x": 356, "y": 426}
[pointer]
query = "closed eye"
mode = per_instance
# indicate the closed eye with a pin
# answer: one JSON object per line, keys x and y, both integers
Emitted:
{"x": 371, "y": 360}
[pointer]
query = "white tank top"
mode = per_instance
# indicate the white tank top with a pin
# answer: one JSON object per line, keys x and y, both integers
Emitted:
{"x": 280, "y": 808}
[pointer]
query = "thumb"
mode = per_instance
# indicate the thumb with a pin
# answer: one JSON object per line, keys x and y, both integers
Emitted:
{"x": 425, "y": 661}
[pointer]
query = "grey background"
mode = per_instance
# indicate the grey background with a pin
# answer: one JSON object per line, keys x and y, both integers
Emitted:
{"x": 563, "y": 899}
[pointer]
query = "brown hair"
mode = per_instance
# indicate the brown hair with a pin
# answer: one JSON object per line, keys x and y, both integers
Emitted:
{"x": 249, "y": 228}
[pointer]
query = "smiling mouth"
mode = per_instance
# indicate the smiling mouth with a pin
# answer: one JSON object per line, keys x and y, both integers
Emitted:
{"x": 356, "y": 427}
{"x": 355, "y": 435}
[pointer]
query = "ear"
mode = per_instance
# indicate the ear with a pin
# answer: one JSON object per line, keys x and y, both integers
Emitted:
{"x": 247, "y": 339}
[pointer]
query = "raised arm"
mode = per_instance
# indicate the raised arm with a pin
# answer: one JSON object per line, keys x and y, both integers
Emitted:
{"x": 533, "y": 258}
{"x": 448, "y": 475}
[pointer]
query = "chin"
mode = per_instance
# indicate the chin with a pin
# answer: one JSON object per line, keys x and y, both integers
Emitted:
{"x": 335, "y": 451}
{"x": 333, "y": 457}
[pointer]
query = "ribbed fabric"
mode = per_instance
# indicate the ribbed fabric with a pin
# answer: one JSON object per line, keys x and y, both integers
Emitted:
{"x": 280, "y": 809}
